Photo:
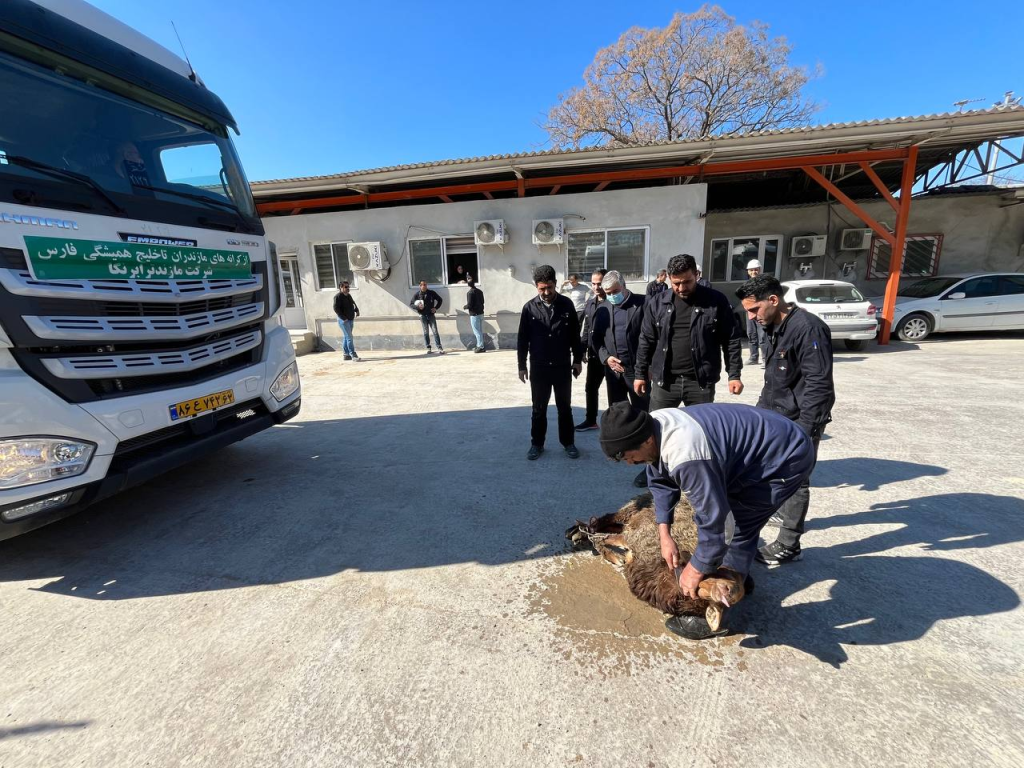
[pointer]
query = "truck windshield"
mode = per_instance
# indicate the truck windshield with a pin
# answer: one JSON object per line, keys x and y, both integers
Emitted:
{"x": 154, "y": 165}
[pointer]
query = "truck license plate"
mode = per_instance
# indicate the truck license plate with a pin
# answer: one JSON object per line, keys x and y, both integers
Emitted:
{"x": 186, "y": 409}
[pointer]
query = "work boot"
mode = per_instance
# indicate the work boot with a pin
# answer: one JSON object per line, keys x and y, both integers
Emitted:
{"x": 693, "y": 627}
{"x": 534, "y": 453}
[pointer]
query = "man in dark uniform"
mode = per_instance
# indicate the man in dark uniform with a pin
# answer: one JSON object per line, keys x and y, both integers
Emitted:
{"x": 549, "y": 334}
{"x": 797, "y": 384}
{"x": 427, "y": 302}
{"x": 686, "y": 332}
{"x": 595, "y": 368}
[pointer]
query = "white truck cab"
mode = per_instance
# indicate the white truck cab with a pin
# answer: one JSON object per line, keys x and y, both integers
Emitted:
{"x": 139, "y": 301}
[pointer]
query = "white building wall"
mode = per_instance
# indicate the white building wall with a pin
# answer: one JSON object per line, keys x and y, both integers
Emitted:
{"x": 981, "y": 232}
{"x": 673, "y": 214}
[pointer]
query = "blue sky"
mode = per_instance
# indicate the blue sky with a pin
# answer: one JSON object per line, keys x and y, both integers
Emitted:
{"x": 323, "y": 87}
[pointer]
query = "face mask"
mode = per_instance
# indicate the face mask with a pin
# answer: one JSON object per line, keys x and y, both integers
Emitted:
{"x": 616, "y": 298}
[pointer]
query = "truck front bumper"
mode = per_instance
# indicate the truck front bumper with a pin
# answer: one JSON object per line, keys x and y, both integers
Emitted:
{"x": 136, "y": 462}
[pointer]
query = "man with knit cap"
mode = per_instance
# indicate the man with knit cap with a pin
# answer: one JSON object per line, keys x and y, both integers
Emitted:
{"x": 726, "y": 458}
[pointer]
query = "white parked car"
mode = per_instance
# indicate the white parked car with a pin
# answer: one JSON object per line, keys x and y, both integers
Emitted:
{"x": 974, "y": 302}
{"x": 844, "y": 309}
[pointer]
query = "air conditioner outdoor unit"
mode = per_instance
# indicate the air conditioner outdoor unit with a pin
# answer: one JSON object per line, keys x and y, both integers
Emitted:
{"x": 548, "y": 231}
{"x": 490, "y": 232}
{"x": 855, "y": 239}
{"x": 807, "y": 246}
{"x": 367, "y": 257}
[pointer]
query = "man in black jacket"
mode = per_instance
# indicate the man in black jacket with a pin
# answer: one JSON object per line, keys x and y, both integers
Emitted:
{"x": 427, "y": 302}
{"x": 685, "y": 334}
{"x": 658, "y": 284}
{"x": 595, "y": 368}
{"x": 549, "y": 333}
{"x": 798, "y": 384}
{"x": 617, "y": 327}
{"x": 475, "y": 307}
{"x": 347, "y": 310}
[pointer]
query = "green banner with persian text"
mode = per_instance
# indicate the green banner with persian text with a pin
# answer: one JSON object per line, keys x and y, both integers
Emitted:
{"x": 58, "y": 258}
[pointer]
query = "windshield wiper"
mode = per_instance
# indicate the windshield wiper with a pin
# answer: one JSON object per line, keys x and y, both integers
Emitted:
{"x": 219, "y": 204}
{"x": 54, "y": 170}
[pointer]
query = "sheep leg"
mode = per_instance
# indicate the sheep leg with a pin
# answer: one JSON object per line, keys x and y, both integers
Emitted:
{"x": 614, "y": 549}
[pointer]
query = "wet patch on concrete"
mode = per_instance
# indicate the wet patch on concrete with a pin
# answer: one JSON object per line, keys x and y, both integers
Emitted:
{"x": 601, "y": 626}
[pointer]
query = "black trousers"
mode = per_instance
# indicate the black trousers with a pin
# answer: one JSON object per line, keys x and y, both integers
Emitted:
{"x": 595, "y": 377}
{"x": 542, "y": 382}
{"x": 758, "y": 340}
{"x": 620, "y": 389}
{"x": 680, "y": 391}
{"x": 794, "y": 510}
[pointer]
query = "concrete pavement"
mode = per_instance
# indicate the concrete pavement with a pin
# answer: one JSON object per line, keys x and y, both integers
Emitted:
{"x": 384, "y": 582}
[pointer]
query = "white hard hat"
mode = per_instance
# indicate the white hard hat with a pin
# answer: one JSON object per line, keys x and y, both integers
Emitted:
{"x": 753, "y": 264}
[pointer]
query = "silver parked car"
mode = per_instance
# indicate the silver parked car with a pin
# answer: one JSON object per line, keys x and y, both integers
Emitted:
{"x": 976, "y": 302}
{"x": 844, "y": 309}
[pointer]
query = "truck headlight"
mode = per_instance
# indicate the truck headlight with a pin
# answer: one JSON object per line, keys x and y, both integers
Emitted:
{"x": 31, "y": 460}
{"x": 286, "y": 383}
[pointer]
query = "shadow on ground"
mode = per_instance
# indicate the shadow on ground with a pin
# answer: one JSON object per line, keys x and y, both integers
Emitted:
{"x": 316, "y": 498}
{"x": 878, "y": 599}
{"x": 40, "y": 727}
{"x": 869, "y": 473}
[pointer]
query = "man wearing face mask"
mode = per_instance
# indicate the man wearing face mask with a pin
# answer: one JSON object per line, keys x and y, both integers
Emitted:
{"x": 617, "y": 327}
{"x": 685, "y": 335}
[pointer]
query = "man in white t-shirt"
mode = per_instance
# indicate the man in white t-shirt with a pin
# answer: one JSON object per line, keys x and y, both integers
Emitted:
{"x": 578, "y": 292}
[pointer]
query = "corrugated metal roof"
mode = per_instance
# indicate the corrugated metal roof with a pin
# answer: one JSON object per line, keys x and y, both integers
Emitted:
{"x": 817, "y": 133}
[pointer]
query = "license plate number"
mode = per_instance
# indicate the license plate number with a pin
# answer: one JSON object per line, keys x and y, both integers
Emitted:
{"x": 838, "y": 315}
{"x": 186, "y": 409}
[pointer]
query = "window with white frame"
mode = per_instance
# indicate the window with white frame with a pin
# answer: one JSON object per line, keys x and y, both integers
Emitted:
{"x": 620, "y": 248}
{"x": 920, "y": 259}
{"x": 729, "y": 257}
{"x": 330, "y": 261}
{"x": 443, "y": 260}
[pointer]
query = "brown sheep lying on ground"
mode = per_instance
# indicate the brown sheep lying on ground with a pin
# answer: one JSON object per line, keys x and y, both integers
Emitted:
{"x": 629, "y": 538}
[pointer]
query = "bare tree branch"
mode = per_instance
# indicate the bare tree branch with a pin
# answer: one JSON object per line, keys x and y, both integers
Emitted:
{"x": 701, "y": 75}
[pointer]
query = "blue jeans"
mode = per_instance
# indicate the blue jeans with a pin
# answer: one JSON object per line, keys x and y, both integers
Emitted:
{"x": 428, "y": 321}
{"x": 477, "y": 323}
{"x": 348, "y": 346}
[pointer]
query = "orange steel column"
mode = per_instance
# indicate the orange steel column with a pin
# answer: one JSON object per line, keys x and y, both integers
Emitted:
{"x": 896, "y": 261}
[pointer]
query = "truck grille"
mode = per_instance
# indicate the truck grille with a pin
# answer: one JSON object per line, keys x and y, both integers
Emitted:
{"x": 89, "y": 340}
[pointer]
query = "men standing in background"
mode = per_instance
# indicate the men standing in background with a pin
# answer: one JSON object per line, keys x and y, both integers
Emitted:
{"x": 595, "y": 368}
{"x": 620, "y": 323}
{"x": 686, "y": 333}
{"x": 755, "y": 333}
{"x": 475, "y": 307}
{"x": 549, "y": 335}
{"x": 578, "y": 293}
{"x": 797, "y": 384}
{"x": 658, "y": 284}
{"x": 347, "y": 310}
{"x": 427, "y": 302}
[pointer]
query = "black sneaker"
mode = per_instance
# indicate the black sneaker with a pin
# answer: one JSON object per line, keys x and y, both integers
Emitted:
{"x": 347, "y": 357}
{"x": 777, "y": 553}
{"x": 692, "y": 627}
{"x": 479, "y": 349}
{"x": 640, "y": 481}
{"x": 534, "y": 453}
{"x": 572, "y": 451}
{"x": 430, "y": 351}
{"x": 585, "y": 426}
{"x": 440, "y": 351}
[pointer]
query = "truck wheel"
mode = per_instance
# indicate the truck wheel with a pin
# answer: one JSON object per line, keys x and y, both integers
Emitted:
{"x": 914, "y": 327}
{"x": 854, "y": 345}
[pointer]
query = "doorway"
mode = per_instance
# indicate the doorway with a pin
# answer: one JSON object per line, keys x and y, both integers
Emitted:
{"x": 294, "y": 313}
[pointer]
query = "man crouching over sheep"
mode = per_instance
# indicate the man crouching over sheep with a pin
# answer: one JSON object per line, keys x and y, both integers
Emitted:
{"x": 723, "y": 457}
